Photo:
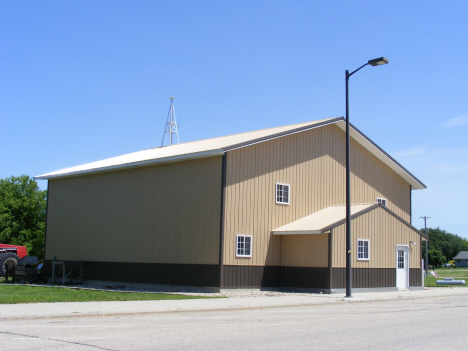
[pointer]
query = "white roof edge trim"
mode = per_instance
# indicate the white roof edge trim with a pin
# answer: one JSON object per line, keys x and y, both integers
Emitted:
{"x": 204, "y": 154}
{"x": 378, "y": 152}
{"x": 299, "y": 232}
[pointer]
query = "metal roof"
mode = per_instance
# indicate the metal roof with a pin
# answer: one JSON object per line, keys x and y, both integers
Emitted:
{"x": 218, "y": 146}
{"x": 462, "y": 255}
{"x": 182, "y": 151}
{"x": 322, "y": 221}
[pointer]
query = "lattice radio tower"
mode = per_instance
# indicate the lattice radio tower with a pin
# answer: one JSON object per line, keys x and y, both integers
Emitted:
{"x": 171, "y": 125}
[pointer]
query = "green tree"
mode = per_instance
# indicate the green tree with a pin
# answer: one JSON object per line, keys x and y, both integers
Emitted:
{"x": 449, "y": 244}
{"x": 436, "y": 258}
{"x": 22, "y": 213}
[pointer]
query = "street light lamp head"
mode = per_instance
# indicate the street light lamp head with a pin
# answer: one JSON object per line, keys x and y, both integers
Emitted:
{"x": 378, "y": 61}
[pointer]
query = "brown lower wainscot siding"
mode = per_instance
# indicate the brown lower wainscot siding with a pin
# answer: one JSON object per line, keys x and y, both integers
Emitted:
{"x": 251, "y": 276}
{"x": 305, "y": 277}
{"x": 240, "y": 276}
{"x": 415, "y": 277}
{"x": 275, "y": 276}
{"x": 149, "y": 273}
{"x": 364, "y": 278}
{"x": 373, "y": 277}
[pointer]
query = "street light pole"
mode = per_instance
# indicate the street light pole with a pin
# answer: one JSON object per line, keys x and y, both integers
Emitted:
{"x": 374, "y": 62}
{"x": 348, "y": 199}
{"x": 426, "y": 260}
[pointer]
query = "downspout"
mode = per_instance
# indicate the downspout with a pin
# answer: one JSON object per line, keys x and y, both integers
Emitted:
{"x": 47, "y": 215}
{"x": 44, "y": 268}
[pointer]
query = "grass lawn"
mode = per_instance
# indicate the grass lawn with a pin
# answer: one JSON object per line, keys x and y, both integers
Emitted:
{"x": 27, "y": 294}
{"x": 455, "y": 273}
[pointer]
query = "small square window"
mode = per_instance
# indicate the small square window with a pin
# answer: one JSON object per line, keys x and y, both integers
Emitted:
{"x": 244, "y": 246}
{"x": 362, "y": 249}
{"x": 282, "y": 193}
{"x": 382, "y": 201}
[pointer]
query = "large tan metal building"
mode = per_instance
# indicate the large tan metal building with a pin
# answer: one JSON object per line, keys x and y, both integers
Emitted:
{"x": 251, "y": 210}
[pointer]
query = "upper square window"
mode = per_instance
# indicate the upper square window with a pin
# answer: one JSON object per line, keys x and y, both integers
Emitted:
{"x": 282, "y": 193}
{"x": 382, "y": 201}
{"x": 363, "y": 249}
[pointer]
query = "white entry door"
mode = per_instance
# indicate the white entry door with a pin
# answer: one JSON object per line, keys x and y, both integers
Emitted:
{"x": 402, "y": 268}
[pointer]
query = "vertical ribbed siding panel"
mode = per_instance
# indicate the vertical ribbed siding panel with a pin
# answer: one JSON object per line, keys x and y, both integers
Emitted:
{"x": 415, "y": 277}
{"x": 384, "y": 232}
{"x": 364, "y": 278}
{"x": 251, "y": 276}
{"x": 375, "y": 179}
{"x": 305, "y": 250}
{"x": 150, "y": 273}
{"x": 155, "y": 214}
{"x": 312, "y": 162}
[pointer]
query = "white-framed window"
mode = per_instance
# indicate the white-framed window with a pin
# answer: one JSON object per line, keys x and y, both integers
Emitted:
{"x": 244, "y": 246}
{"x": 363, "y": 249}
{"x": 283, "y": 192}
{"x": 382, "y": 201}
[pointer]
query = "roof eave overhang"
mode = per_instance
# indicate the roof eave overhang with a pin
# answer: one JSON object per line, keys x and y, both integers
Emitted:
{"x": 179, "y": 158}
{"x": 373, "y": 148}
{"x": 292, "y": 232}
{"x": 461, "y": 257}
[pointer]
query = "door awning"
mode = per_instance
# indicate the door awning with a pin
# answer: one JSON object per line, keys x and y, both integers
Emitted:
{"x": 322, "y": 221}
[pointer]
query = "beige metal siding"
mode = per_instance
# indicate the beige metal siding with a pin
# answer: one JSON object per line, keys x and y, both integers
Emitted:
{"x": 159, "y": 214}
{"x": 384, "y": 232}
{"x": 313, "y": 163}
{"x": 374, "y": 179}
{"x": 308, "y": 250}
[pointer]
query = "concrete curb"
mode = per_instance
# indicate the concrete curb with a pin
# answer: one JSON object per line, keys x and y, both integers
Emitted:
{"x": 108, "y": 309}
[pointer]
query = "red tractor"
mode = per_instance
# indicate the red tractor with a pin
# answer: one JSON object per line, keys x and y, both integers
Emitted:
{"x": 9, "y": 256}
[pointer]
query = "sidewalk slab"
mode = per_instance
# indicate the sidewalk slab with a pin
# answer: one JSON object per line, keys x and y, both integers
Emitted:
{"x": 127, "y": 308}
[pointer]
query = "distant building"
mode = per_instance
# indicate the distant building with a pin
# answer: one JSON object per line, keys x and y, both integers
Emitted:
{"x": 461, "y": 260}
{"x": 262, "y": 209}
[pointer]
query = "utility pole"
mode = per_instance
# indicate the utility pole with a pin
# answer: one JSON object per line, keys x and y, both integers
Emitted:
{"x": 426, "y": 260}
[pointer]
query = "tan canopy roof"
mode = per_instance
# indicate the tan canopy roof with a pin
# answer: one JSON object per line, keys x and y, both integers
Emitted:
{"x": 321, "y": 221}
{"x": 324, "y": 220}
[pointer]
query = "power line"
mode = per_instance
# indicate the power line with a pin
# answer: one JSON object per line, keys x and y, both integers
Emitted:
{"x": 447, "y": 217}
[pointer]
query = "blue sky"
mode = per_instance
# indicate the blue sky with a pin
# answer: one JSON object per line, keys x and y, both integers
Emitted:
{"x": 87, "y": 80}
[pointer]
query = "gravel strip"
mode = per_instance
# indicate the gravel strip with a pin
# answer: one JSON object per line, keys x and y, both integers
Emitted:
{"x": 128, "y": 289}
{"x": 247, "y": 293}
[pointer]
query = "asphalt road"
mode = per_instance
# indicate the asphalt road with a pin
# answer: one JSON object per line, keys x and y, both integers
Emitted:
{"x": 423, "y": 324}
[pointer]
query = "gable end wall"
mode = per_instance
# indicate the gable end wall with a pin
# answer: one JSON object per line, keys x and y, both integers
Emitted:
{"x": 313, "y": 163}
{"x": 384, "y": 232}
